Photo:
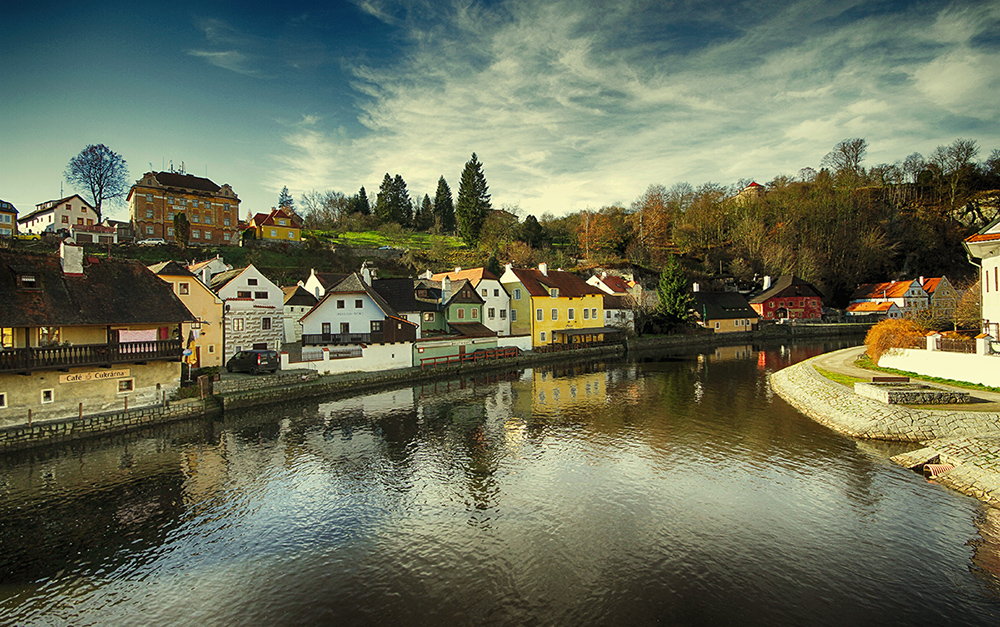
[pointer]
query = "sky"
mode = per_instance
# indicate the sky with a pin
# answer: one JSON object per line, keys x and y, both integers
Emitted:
{"x": 569, "y": 105}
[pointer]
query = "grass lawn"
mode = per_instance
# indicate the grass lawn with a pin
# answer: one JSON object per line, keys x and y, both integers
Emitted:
{"x": 865, "y": 362}
{"x": 844, "y": 379}
{"x": 402, "y": 239}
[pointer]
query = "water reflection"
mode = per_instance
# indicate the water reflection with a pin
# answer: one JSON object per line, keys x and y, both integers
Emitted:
{"x": 640, "y": 490}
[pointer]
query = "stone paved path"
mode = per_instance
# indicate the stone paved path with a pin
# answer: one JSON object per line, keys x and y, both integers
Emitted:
{"x": 969, "y": 440}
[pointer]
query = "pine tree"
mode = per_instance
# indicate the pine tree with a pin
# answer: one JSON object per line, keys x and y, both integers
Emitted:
{"x": 362, "y": 205}
{"x": 383, "y": 207}
{"x": 675, "y": 300}
{"x": 473, "y": 201}
{"x": 424, "y": 218}
{"x": 182, "y": 229}
{"x": 285, "y": 200}
{"x": 402, "y": 205}
{"x": 444, "y": 207}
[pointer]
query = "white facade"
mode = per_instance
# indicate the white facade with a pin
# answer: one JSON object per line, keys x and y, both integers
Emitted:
{"x": 343, "y": 313}
{"x": 373, "y": 358}
{"x": 985, "y": 246}
{"x": 254, "y": 312}
{"x": 52, "y": 215}
{"x": 293, "y": 325}
{"x": 496, "y": 311}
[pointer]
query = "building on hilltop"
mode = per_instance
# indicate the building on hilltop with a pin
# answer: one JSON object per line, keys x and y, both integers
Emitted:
{"x": 8, "y": 219}
{"x": 280, "y": 225}
{"x": 212, "y": 210}
{"x": 55, "y": 215}
{"x": 83, "y": 334}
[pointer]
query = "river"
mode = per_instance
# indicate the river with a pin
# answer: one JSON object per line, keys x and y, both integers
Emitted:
{"x": 657, "y": 489}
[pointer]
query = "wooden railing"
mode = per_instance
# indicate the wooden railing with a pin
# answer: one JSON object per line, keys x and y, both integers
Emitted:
{"x": 572, "y": 346}
{"x": 958, "y": 345}
{"x": 479, "y": 355}
{"x": 59, "y": 357}
{"x": 316, "y": 339}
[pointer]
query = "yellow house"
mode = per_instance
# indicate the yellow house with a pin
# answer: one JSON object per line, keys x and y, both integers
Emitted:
{"x": 8, "y": 219}
{"x": 554, "y": 307}
{"x": 204, "y": 337}
{"x": 282, "y": 224}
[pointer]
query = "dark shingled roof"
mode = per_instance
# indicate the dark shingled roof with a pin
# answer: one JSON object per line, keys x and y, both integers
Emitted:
{"x": 298, "y": 296}
{"x": 219, "y": 280}
{"x": 170, "y": 268}
{"x": 471, "y": 329}
{"x": 787, "y": 285}
{"x": 108, "y": 292}
{"x": 186, "y": 181}
{"x": 400, "y": 295}
{"x": 721, "y": 306}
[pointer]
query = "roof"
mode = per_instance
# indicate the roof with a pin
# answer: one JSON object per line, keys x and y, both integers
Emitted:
{"x": 616, "y": 284}
{"x": 400, "y": 295}
{"x": 612, "y": 301}
{"x": 890, "y": 289}
{"x": 472, "y": 329}
{"x": 170, "y": 268}
{"x": 329, "y": 279}
{"x": 110, "y": 291}
{"x": 7, "y": 207}
{"x": 474, "y": 275}
{"x": 220, "y": 280}
{"x": 568, "y": 284}
{"x": 267, "y": 219}
{"x": 51, "y": 205}
{"x": 298, "y": 295}
{"x": 869, "y": 307}
{"x": 355, "y": 284}
{"x": 185, "y": 181}
{"x": 458, "y": 292}
{"x": 930, "y": 285}
{"x": 786, "y": 285}
{"x": 721, "y": 306}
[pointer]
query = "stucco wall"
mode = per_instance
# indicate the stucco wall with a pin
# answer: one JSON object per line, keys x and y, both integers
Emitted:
{"x": 374, "y": 357}
{"x": 982, "y": 369}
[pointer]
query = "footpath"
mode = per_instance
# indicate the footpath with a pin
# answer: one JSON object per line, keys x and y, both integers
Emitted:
{"x": 967, "y": 439}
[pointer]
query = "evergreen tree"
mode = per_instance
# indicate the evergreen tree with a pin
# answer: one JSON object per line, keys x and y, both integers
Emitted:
{"x": 424, "y": 218}
{"x": 444, "y": 207}
{"x": 675, "y": 300}
{"x": 182, "y": 229}
{"x": 532, "y": 233}
{"x": 285, "y": 200}
{"x": 493, "y": 266}
{"x": 361, "y": 204}
{"x": 383, "y": 208}
{"x": 473, "y": 201}
{"x": 393, "y": 201}
{"x": 402, "y": 204}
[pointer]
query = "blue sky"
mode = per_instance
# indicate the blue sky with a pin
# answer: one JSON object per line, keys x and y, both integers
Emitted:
{"x": 569, "y": 105}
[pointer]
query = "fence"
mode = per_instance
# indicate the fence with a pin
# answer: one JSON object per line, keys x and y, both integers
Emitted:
{"x": 57, "y": 357}
{"x": 482, "y": 354}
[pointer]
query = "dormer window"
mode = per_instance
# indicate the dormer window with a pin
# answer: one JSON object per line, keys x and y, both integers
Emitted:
{"x": 554, "y": 292}
{"x": 28, "y": 281}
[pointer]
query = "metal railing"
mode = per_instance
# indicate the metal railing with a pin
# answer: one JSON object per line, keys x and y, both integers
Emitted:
{"x": 483, "y": 354}
{"x": 58, "y": 357}
{"x": 572, "y": 346}
{"x": 317, "y": 339}
{"x": 958, "y": 345}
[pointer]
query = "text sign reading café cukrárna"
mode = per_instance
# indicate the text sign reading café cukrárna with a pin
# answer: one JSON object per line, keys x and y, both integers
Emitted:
{"x": 100, "y": 375}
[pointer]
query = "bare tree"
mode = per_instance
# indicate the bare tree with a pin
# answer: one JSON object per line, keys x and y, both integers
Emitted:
{"x": 102, "y": 171}
{"x": 846, "y": 157}
{"x": 953, "y": 161}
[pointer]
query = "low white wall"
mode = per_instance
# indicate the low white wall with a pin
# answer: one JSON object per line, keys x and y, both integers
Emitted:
{"x": 520, "y": 341}
{"x": 374, "y": 357}
{"x": 982, "y": 369}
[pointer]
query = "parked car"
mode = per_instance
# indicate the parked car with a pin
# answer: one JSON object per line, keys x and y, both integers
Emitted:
{"x": 152, "y": 241}
{"x": 254, "y": 361}
{"x": 28, "y": 236}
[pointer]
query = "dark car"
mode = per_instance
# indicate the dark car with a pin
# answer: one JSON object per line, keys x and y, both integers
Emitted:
{"x": 254, "y": 361}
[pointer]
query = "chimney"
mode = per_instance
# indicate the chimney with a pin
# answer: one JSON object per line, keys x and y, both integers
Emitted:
{"x": 445, "y": 290}
{"x": 767, "y": 282}
{"x": 71, "y": 259}
{"x": 921, "y": 281}
{"x": 458, "y": 269}
{"x": 366, "y": 274}
{"x": 543, "y": 268}
{"x": 604, "y": 275}
{"x": 695, "y": 288}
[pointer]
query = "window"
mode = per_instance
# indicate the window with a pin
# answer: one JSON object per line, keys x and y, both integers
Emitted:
{"x": 28, "y": 281}
{"x": 538, "y": 314}
{"x": 225, "y": 222}
{"x": 281, "y": 222}
{"x": 429, "y": 316}
{"x": 586, "y": 313}
{"x": 242, "y": 294}
{"x": 65, "y": 219}
{"x": 513, "y": 314}
{"x": 503, "y": 314}
{"x": 517, "y": 294}
{"x": 195, "y": 234}
{"x": 260, "y": 295}
{"x": 6, "y": 337}
{"x": 194, "y": 218}
{"x": 149, "y": 212}
{"x": 484, "y": 292}
{"x": 251, "y": 281}
{"x": 543, "y": 336}
{"x": 496, "y": 293}
{"x": 340, "y": 304}
{"x": 3, "y": 400}
{"x": 607, "y": 314}
{"x": 345, "y": 327}
{"x": 211, "y": 348}
{"x": 208, "y": 219}
{"x": 170, "y": 215}
{"x": 265, "y": 324}
{"x": 274, "y": 233}
{"x": 149, "y": 198}
{"x": 47, "y": 396}
{"x": 326, "y": 328}
{"x": 79, "y": 220}
{"x": 126, "y": 385}
{"x": 48, "y": 336}
{"x": 554, "y": 292}
{"x": 572, "y": 314}
{"x": 376, "y": 326}
{"x": 593, "y": 313}
{"x": 291, "y": 235}
{"x": 461, "y": 313}
{"x": 475, "y": 313}
{"x": 716, "y": 324}
{"x": 491, "y": 313}
{"x": 555, "y": 314}
{"x": 238, "y": 324}
{"x": 225, "y": 207}
{"x": 183, "y": 288}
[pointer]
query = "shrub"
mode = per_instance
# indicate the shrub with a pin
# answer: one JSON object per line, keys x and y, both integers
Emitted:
{"x": 892, "y": 333}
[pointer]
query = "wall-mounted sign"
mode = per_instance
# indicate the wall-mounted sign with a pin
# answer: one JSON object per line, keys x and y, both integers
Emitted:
{"x": 100, "y": 375}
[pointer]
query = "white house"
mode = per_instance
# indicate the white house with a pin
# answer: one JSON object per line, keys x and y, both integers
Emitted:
{"x": 205, "y": 270}
{"x": 319, "y": 282}
{"x": 908, "y": 295}
{"x": 496, "y": 310}
{"x": 985, "y": 246}
{"x": 883, "y": 310}
{"x": 352, "y": 312}
{"x": 52, "y": 215}
{"x": 253, "y": 311}
{"x": 298, "y": 302}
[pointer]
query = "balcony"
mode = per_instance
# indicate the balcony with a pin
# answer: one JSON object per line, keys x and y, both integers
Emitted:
{"x": 25, "y": 360}
{"x": 319, "y": 339}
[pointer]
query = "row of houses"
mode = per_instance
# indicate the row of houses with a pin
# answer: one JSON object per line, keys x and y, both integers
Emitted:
{"x": 154, "y": 201}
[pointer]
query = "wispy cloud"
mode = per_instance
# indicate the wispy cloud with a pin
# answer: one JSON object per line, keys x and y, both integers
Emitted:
{"x": 570, "y": 106}
{"x": 292, "y": 47}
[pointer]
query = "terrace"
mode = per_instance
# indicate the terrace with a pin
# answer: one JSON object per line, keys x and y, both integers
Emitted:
{"x": 26, "y": 360}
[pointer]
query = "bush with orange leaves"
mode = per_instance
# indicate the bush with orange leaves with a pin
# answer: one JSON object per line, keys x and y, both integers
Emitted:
{"x": 893, "y": 333}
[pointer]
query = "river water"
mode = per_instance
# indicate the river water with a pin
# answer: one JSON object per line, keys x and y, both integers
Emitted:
{"x": 659, "y": 489}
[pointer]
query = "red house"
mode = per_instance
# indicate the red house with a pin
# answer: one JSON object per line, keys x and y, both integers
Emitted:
{"x": 789, "y": 297}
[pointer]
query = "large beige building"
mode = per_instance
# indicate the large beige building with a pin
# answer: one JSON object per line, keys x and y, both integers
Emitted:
{"x": 212, "y": 211}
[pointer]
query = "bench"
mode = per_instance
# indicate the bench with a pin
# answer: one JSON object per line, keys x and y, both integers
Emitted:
{"x": 888, "y": 379}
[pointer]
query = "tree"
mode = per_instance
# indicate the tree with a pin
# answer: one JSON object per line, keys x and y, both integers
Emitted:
{"x": 285, "y": 200}
{"x": 532, "y": 233}
{"x": 845, "y": 159}
{"x": 102, "y": 171}
{"x": 182, "y": 229}
{"x": 361, "y": 204}
{"x": 444, "y": 207}
{"x": 473, "y": 201}
{"x": 393, "y": 201}
{"x": 424, "y": 218}
{"x": 675, "y": 300}
{"x": 954, "y": 161}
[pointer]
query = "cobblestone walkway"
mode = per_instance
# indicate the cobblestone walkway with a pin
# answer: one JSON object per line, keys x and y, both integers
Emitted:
{"x": 966, "y": 439}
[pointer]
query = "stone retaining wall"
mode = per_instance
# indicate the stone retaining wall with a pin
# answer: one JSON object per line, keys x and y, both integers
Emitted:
{"x": 260, "y": 382}
{"x": 910, "y": 394}
{"x": 52, "y": 431}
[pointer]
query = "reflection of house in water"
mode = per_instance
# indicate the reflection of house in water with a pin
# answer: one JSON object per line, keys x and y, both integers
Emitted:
{"x": 371, "y": 405}
{"x": 556, "y": 393}
{"x": 739, "y": 352}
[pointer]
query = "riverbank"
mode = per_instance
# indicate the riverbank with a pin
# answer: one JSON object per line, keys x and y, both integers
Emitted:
{"x": 243, "y": 391}
{"x": 968, "y": 440}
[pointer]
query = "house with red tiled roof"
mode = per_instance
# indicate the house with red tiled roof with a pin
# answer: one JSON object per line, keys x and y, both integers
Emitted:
{"x": 555, "y": 307}
{"x": 496, "y": 299}
{"x": 985, "y": 246}
{"x": 881, "y": 310}
{"x": 908, "y": 295}
{"x": 789, "y": 297}
{"x": 942, "y": 296}
{"x": 281, "y": 224}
